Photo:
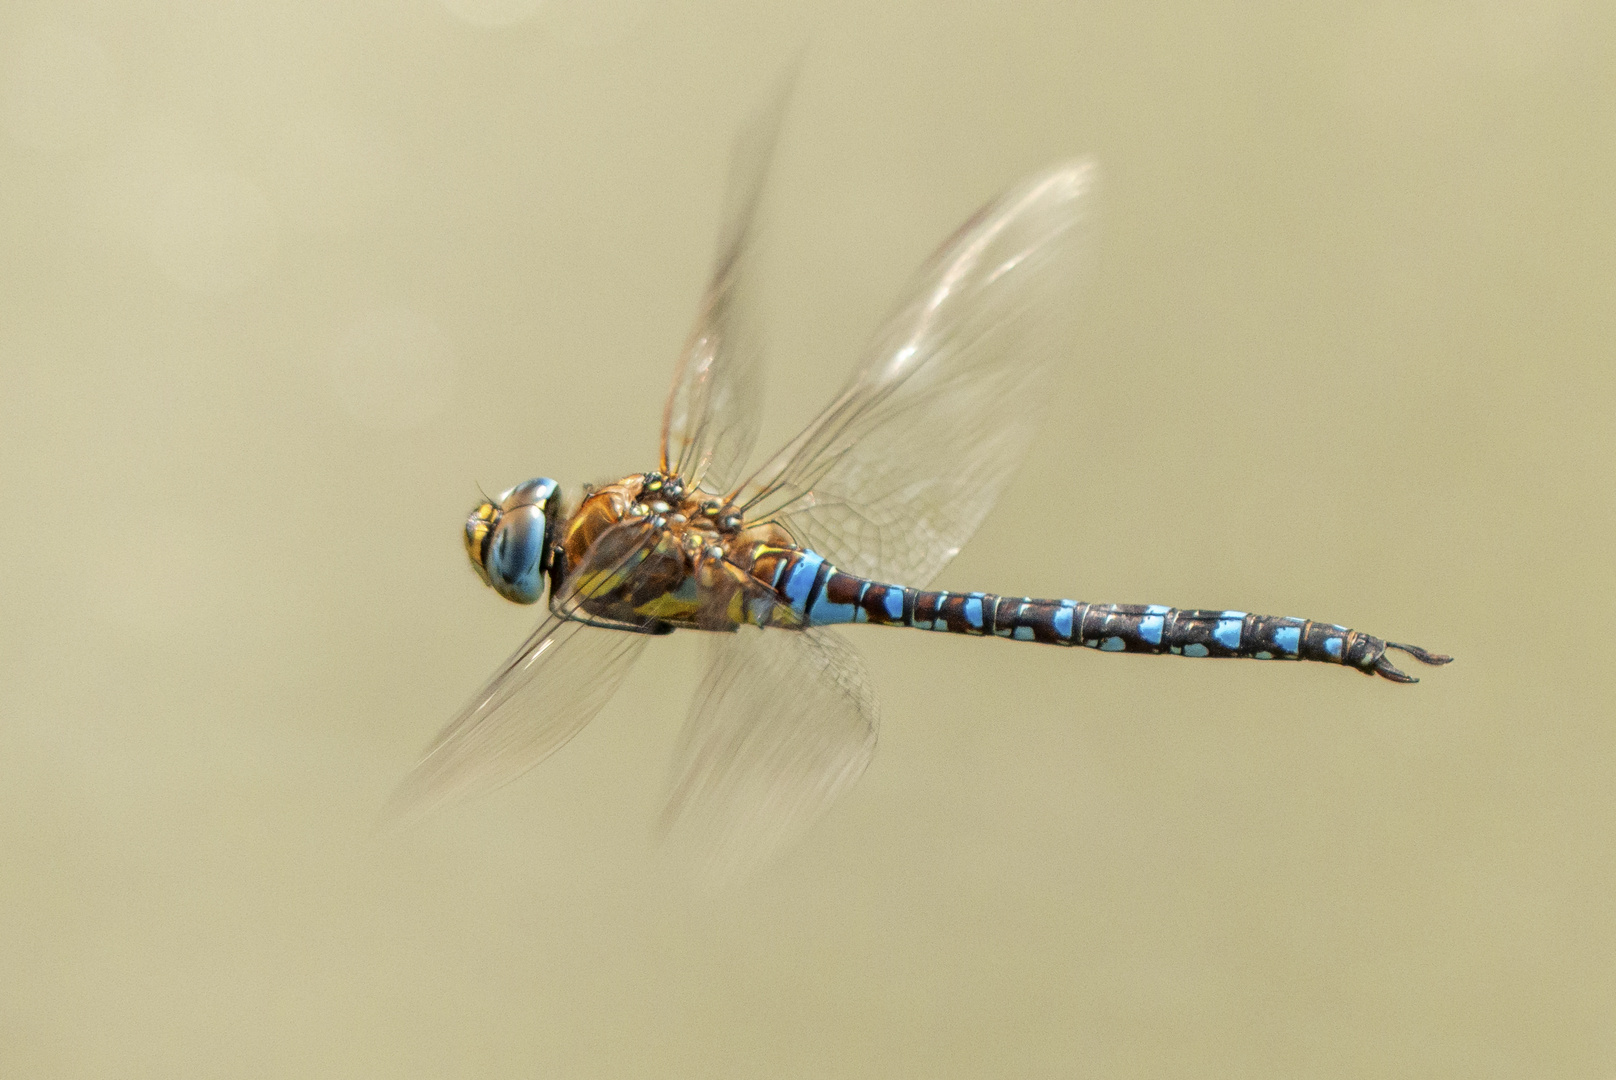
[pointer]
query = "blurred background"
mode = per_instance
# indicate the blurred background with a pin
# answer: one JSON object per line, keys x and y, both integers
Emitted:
{"x": 284, "y": 282}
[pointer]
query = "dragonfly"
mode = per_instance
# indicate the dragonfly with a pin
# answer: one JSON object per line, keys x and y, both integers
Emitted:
{"x": 847, "y": 523}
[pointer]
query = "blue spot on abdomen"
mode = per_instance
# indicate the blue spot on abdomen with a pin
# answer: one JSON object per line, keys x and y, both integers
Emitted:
{"x": 826, "y": 613}
{"x": 1228, "y": 629}
{"x": 801, "y": 580}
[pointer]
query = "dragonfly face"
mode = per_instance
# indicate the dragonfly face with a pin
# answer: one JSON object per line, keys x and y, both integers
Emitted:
{"x": 509, "y": 540}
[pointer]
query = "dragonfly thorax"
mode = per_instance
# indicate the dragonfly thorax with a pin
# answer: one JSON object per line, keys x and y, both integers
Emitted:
{"x": 508, "y": 539}
{"x": 703, "y": 523}
{"x": 653, "y": 550}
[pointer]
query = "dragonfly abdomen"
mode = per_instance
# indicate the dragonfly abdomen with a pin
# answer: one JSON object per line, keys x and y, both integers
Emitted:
{"x": 819, "y": 594}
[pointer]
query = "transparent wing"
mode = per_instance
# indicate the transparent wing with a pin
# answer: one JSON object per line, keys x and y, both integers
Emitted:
{"x": 783, "y": 722}
{"x": 892, "y": 478}
{"x": 710, "y": 420}
{"x": 552, "y": 686}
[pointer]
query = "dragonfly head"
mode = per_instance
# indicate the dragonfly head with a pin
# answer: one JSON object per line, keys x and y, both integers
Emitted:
{"x": 508, "y": 539}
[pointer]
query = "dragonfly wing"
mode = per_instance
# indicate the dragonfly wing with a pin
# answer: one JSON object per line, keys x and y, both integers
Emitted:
{"x": 892, "y": 478}
{"x": 542, "y": 696}
{"x": 710, "y": 420}
{"x": 783, "y": 722}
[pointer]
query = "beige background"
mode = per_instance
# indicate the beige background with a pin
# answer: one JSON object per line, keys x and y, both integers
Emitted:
{"x": 283, "y": 281}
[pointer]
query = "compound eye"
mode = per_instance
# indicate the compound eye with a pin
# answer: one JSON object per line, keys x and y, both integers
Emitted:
{"x": 535, "y": 492}
{"x": 515, "y": 554}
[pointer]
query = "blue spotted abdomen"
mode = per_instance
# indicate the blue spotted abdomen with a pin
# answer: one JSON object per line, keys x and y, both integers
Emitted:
{"x": 818, "y": 594}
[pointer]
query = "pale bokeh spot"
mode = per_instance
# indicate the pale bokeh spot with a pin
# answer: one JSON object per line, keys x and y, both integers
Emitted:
{"x": 1398, "y": 57}
{"x": 166, "y": 577}
{"x": 333, "y": 169}
{"x": 599, "y": 25}
{"x": 59, "y": 90}
{"x": 207, "y": 227}
{"x": 571, "y": 24}
{"x": 211, "y": 231}
{"x": 392, "y": 368}
{"x": 493, "y": 13}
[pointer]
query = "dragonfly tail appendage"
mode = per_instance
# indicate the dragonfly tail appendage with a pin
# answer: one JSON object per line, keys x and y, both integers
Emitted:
{"x": 1387, "y": 670}
{"x": 817, "y": 593}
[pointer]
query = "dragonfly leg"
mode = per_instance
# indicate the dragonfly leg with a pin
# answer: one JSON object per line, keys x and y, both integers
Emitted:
{"x": 654, "y": 629}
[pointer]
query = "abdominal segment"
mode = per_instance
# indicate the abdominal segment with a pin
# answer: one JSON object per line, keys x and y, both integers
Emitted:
{"x": 816, "y": 593}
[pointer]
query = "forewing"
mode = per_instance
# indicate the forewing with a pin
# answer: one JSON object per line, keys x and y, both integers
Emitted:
{"x": 782, "y": 723}
{"x": 899, "y": 471}
{"x": 710, "y": 420}
{"x": 543, "y": 695}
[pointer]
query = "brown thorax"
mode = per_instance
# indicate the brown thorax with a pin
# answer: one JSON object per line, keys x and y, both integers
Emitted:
{"x": 706, "y": 529}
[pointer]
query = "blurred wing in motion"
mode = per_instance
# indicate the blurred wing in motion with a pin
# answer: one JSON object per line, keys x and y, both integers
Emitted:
{"x": 542, "y": 696}
{"x": 891, "y": 479}
{"x": 710, "y": 420}
{"x": 782, "y": 723}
